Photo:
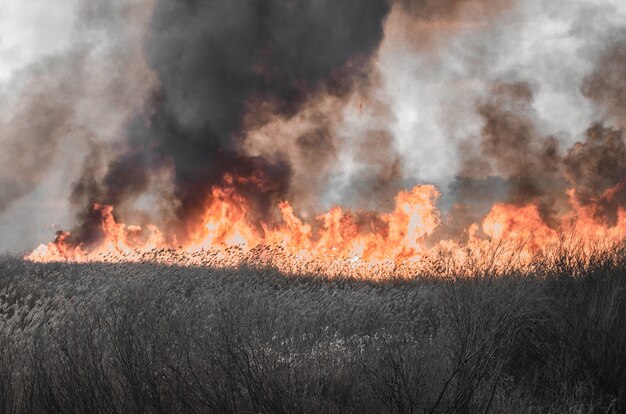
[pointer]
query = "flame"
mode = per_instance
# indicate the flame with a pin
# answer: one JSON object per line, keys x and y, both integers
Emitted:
{"x": 339, "y": 241}
{"x": 224, "y": 223}
{"x": 510, "y": 222}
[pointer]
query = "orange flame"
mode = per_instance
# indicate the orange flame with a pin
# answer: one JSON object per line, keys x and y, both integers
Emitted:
{"x": 338, "y": 242}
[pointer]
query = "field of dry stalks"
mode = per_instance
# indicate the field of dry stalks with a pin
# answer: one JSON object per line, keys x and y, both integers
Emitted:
{"x": 123, "y": 338}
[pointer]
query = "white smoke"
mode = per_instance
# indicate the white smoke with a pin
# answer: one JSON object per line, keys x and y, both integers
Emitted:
{"x": 71, "y": 74}
{"x": 432, "y": 87}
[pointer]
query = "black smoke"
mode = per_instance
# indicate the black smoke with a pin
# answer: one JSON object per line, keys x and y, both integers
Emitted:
{"x": 214, "y": 60}
{"x": 597, "y": 169}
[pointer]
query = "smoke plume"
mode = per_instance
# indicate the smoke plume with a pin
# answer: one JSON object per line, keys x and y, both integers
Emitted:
{"x": 216, "y": 59}
{"x": 154, "y": 104}
{"x": 77, "y": 81}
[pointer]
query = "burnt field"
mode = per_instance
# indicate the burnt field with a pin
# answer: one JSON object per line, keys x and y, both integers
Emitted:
{"x": 155, "y": 338}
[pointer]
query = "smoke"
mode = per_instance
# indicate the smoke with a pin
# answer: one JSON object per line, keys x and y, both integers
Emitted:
{"x": 597, "y": 169}
{"x": 360, "y": 162}
{"x": 512, "y": 148}
{"x": 30, "y": 138}
{"x": 535, "y": 168}
{"x": 606, "y": 86}
{"x": 424, "y": 23}
{"x": 596, "y": 166}
{"x": 71, "y": 75}
{"x": 215, "y": 61}
{"x": 319, "y": 103}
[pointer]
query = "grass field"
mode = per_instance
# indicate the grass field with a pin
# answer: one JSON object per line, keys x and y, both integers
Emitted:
{"x": 125, "y": 338}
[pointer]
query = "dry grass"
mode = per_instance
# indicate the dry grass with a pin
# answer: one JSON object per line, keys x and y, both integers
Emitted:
{"x": 154, "y": 338}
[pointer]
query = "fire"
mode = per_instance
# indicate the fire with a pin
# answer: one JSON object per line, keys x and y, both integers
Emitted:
{"x": 585, "y": 223}
{"x": 510, "y": 222}
{"x": 224, "y": 223}
{"x": 119, "y": 241}
{"x": 339, "y": 241}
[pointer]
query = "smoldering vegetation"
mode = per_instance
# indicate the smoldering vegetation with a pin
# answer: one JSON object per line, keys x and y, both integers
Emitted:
{"x": 153, "y": 338}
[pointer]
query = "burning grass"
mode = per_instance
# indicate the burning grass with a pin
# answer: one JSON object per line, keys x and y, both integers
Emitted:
{"x": 150, "y": 337}
{"x": 363, "y": 245}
